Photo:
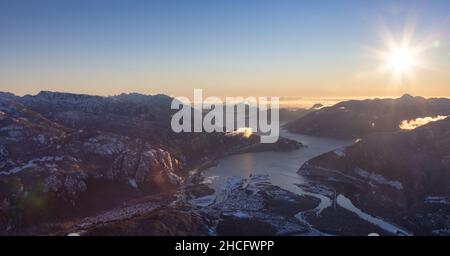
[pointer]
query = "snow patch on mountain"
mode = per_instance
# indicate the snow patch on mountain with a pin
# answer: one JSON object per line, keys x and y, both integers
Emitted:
{"x": 32, "y": 163}
{"x": 346, "y": 203}
{"x": 437, "y": 200}
{"x": 378, "y": 178}
{"x": 105, "y": 145}
{"x": 340, "y": 152}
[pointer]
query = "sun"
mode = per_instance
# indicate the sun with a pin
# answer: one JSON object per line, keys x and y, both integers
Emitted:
{"x": 402, "y": 56}
{"x": 401, "y": 60}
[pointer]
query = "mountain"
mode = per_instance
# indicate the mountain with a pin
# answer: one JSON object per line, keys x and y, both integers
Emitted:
{"x": 401, "y": 176}
{"x": 51, "y": 164}
{"x": 65, "y": 155}
{"x": 356, "y": 118}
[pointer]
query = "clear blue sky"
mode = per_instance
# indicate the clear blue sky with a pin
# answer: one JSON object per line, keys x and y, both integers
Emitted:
{"x": 285, "y": 48}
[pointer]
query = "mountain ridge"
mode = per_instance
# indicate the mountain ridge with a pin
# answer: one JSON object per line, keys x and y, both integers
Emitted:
{"x": 356, "y": 118}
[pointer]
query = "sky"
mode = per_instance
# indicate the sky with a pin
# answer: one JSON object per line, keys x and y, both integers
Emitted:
{"x": 227, "y": 48}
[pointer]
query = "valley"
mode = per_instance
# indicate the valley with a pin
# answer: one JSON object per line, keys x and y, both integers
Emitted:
{"x": 86, "y": 165}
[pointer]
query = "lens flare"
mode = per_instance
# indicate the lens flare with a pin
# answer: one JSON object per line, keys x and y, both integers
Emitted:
{"x": 402, "y": 55}
{"x": 401, "y": 59}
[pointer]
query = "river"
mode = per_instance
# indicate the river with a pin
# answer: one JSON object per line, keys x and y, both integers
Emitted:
{"x": 281, "y": 167}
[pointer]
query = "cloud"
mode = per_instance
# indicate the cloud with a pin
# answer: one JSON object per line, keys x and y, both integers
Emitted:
{"x": 413, "y": 124}
{"x": 243, "y": 131}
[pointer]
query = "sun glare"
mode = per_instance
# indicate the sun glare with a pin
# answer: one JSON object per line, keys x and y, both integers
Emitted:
{"x": 401, "y": 56}
{"x": 401, "y": 60}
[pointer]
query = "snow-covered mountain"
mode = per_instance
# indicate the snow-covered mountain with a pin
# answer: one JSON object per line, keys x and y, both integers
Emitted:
{"x": 401, "y": 176}
{"x": 63, "y": 153}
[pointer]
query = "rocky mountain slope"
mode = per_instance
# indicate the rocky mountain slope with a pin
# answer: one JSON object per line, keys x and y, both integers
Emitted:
{"x": 401, "y": 176}
{"x": 64, "y": 155}
{"x": 356, "y": 118}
